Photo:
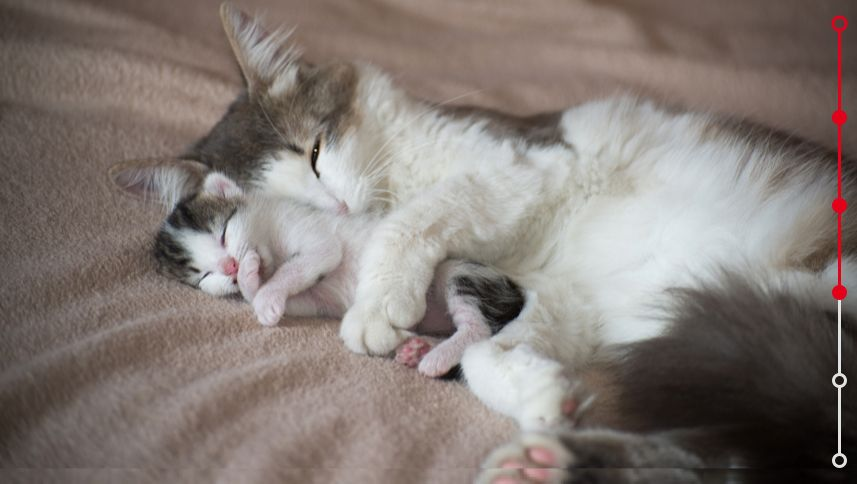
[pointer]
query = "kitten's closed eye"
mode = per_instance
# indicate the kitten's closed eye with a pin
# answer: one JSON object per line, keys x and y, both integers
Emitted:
{"x": 226, "y": 224}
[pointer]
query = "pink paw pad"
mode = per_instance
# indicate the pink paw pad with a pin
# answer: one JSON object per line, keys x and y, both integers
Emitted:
{"x": 412, "y": 351}
{"x": 542, "y": 456}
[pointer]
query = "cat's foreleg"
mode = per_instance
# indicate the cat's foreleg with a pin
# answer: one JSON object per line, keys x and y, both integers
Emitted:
{"x": 468, "y": 216}
{"x": 300, "y": 272}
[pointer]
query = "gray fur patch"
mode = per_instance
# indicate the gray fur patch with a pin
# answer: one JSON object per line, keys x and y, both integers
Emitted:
{"x": 744, "y": 372}
{"x": 321, "y": 103}
{"x": 536, "y": 130}
{"x": 497, "y": 297}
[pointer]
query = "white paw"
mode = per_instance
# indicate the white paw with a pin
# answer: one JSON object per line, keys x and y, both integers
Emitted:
{"x": 532, "y": 458}
{"x": 269, "y": 306}
{"x": 376, "y": 323}
{"x": 366, "y": 332}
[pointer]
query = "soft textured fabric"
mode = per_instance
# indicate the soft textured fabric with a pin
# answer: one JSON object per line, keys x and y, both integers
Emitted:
{"x": 123, "y": 375}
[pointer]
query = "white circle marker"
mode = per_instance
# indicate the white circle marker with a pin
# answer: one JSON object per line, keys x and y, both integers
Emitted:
{"x": 839, "y": 380}
{"x": 839, "y": 460}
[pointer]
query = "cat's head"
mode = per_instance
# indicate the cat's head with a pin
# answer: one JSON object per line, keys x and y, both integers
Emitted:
{"x": 298, "y": 129}
{"x": 201, "y": 240}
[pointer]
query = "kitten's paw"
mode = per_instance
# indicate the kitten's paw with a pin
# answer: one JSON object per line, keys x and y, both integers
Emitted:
{"x": 411, "y": 352}
{"x": 269, "y": 306}
{"x": 248, "y": 275}
{"x": 366, "y": 332}
{"x": 440, "y": 360}
{"x": 532, "y": 458}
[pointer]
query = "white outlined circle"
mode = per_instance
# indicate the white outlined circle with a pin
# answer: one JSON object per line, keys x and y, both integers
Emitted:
{"x": 842, "y": 379}
{"x": 839, "y": 460}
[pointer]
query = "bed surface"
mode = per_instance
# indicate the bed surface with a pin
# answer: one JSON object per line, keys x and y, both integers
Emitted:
{"x": 111, "y": 373}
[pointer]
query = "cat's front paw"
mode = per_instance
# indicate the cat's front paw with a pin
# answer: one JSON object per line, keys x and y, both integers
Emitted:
{"x": 380, "y": 324}
{"x": 269, "y": 306}
{"x": 365, "y": 332}
{"x": 248, "y": 276}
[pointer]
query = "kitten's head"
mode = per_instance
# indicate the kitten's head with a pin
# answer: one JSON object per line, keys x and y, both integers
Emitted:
{"x": 297, "y": 130}
{"x": 200, "y": 242}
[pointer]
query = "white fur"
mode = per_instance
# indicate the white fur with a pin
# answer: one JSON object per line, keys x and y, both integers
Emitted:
{"x": 637, "y": 202}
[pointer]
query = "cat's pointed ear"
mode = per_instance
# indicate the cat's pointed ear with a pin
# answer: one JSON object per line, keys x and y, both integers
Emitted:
{"x": 221, "y": 185}
{"x": 166, "y": 180}
{"x": 268, "y": 62}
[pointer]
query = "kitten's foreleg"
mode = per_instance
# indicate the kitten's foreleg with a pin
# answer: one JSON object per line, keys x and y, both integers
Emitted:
{"x": 249, "y": 278}
{"x": 300, "y": 272}
{"x": 469, "y": 216}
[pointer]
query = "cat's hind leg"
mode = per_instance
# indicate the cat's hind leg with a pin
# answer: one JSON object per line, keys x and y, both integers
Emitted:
{"x": 522, "y": 383}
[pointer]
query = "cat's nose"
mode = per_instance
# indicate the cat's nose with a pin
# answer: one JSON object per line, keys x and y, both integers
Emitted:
{"x": 342, "y": 208}
{"x": 230, "y": 266}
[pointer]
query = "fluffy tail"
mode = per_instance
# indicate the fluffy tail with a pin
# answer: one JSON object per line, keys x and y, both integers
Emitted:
{"x": 744, "y": 374}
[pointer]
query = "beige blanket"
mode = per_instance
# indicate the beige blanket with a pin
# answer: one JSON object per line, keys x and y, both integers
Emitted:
{"x": 123, "y": 375}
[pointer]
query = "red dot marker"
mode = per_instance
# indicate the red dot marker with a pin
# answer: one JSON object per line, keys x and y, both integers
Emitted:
{"x": 839, "y": 292}
{"x": 839, "y": 117}
{"x": 840, "y": 205}
{"x": 839, "y": 23}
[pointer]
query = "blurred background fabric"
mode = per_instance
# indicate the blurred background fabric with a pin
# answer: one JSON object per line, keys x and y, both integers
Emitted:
{"x": 111, "y": 373}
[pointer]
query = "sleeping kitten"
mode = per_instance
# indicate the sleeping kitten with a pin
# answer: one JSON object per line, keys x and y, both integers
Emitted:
{"x": 605, "y": 212}
{"x": 286, "y": 257}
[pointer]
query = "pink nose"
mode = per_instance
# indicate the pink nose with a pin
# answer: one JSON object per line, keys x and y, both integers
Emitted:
{"x": 230, "y": 267}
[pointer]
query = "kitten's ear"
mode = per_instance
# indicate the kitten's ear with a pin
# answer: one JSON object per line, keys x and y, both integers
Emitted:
{"x": 267, "y": 61}
{"x": 167, "y": 180}
{"x": 221, "y": 185}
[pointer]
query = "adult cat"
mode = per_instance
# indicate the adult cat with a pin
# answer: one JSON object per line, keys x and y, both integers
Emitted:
{"x": 600, "y": 211}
